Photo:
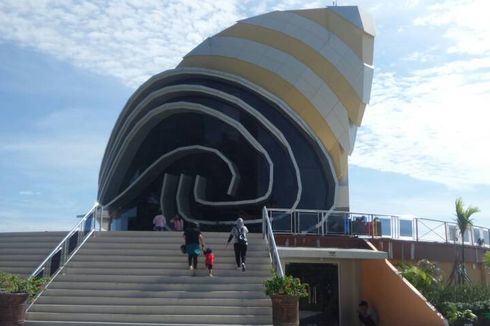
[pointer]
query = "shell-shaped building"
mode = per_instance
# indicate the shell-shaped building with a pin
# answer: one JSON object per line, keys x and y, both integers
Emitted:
{"x": 263, "y": 113}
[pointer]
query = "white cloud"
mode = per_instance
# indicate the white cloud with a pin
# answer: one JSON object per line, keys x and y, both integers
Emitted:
{"x": 130, "y": 40}
{"x": 465, "y": 22}
{"x": 429, "y": 55}
{"x": 29, "y": 193}
{"x": 431, "y": 124}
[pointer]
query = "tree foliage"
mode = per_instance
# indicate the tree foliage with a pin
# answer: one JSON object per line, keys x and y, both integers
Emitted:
{"x": 463, "y": 216}
{"x": 425, "y": 276}
{"x": 455, "y": 302}
{"x": 486, "y": 259}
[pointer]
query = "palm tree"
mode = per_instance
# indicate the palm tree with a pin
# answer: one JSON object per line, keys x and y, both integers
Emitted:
{"x": 464, "y": 221}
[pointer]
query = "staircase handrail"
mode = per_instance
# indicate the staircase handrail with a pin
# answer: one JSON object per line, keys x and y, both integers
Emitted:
{"x": 65, "y": 246}
{"x": 268, "y": 235}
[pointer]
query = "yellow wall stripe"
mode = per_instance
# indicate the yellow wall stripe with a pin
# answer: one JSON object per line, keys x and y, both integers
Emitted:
{"x": 309, "y": 57}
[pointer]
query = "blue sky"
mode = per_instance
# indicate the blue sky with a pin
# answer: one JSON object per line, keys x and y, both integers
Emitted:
{"x": 67, "y": 68}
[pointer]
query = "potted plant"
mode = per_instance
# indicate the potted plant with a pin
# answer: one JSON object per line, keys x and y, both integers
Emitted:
{"x": 15, "y": 293}
{"x": 285, "y": 292}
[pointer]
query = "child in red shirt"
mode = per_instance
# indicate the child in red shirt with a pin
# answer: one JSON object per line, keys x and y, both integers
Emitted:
{"x": 208, "y": 253}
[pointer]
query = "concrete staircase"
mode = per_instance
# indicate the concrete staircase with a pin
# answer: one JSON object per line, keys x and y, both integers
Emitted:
{"x": 142, "y": 278}
{"x": 22, "y": 252}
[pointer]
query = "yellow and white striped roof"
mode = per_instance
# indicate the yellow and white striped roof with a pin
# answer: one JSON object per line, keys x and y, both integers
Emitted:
{"x": 317, "y": 61}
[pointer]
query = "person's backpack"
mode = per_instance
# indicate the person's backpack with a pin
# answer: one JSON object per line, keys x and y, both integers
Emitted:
{"x": 242, "y": 239}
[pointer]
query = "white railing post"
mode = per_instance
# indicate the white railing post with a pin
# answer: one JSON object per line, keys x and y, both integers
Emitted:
{"x": 446, "y": 232}
{"x": 271, "y": 242}
{"x": 416, "y": 229}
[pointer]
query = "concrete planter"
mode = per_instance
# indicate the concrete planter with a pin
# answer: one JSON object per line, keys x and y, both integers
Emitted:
{"x": 482, "y": 322}
{"x": 463, "y": 323}
{"x": 12, "y": 308}
{"x": 285, "y": 310}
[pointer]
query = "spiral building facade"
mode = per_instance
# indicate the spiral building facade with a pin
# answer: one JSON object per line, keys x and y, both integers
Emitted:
{"x": 264, "y": 113}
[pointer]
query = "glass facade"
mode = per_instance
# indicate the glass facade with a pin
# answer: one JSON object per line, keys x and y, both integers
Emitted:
{"x": 301, "y": 176}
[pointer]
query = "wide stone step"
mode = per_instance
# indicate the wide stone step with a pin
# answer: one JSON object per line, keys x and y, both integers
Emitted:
{"x": 25, "y": 251}
{"x": 266, "y": 302}
{"x": 204, "y": 286}
{"x": 147, "y": 234}
{"x": 81, "y": 258}
{"x": 27, "y": 257}
{"x": 163, "y": 272}
{"x": 163, "y": 252}
{"x": 19, "y": 263}
{"x": 181, "y": 262}
{"x": 237, "y": 294}
{"x": 81, "y": 323}
{"x": 168, "y": 245}
{"x": 17, "y": 270}
{"x": 202, "y": 309}
{"x": 216, "y": 319}
{"x": 26, "y": 247}
{"x": 33, "y": 235}
{"x": 238, "y": 278}
{"x": 159, "y": 236}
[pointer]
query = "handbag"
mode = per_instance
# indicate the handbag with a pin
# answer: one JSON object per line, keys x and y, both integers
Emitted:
{"x": 183, "y": 248}
{"x": 242, "y": 239}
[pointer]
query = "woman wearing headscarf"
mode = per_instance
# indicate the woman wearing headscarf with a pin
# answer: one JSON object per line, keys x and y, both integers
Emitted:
{"x": 239, "y": 233}
{"x": 194, "y": 241}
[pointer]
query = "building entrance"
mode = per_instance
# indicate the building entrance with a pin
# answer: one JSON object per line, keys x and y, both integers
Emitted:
{"x": 322, "y": 305}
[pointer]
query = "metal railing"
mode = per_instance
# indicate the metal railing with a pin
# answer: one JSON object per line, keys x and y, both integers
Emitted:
{"x": 373, "y": 225}
{"x": 271, "y": 242}
{"x": 67, "y": 247}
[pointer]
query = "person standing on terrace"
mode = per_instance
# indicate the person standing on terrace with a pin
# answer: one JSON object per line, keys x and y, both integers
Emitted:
{"x": 177, "y": 223}
{"x": 160, "y": 222}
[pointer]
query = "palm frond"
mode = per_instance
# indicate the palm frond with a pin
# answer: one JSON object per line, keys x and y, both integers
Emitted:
{"x": 463, "y": 216}
{"x": 459, "y": 207}
{"x": 471, "y": 210}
